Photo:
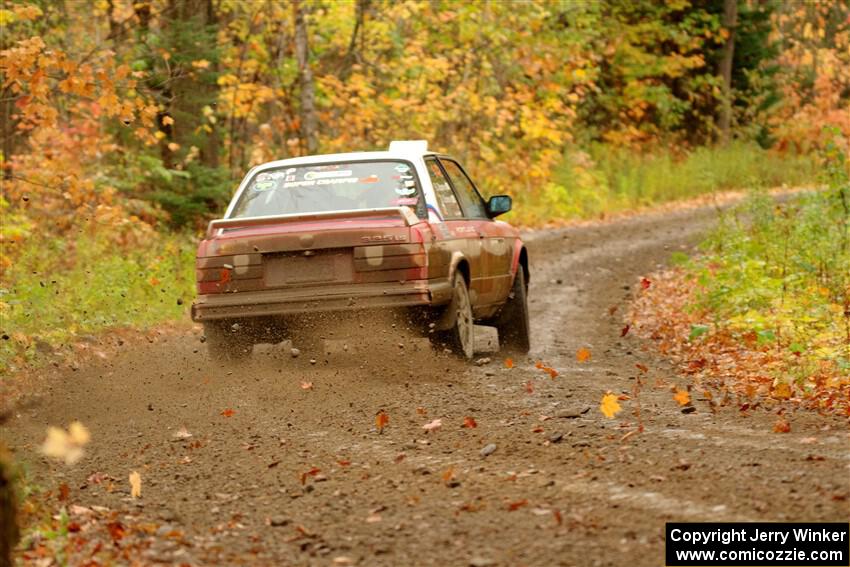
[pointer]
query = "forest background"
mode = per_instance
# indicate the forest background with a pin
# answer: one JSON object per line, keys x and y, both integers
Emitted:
{"x": 126, "y": 125}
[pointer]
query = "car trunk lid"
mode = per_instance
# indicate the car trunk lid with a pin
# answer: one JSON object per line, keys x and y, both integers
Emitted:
{"x": 266, "y": 253}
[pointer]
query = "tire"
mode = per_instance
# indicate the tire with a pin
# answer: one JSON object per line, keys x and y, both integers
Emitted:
{"x": 512, "y": 321}
{"x": 460, "y": 338}
{"x": 227, "y": 342}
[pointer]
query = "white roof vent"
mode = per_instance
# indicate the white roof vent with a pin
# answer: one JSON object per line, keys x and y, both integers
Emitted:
{"x": 409, "y": 146}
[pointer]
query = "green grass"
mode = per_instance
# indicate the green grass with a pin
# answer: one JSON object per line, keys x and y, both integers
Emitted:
{"x": 608, "y": 180}
{"x": 57, "y": 289}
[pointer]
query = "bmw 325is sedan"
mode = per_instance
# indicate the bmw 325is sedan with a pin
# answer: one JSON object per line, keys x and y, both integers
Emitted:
{"x": 404, "y": 229}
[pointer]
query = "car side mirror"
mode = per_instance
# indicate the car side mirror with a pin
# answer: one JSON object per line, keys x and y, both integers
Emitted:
{"x": 498, "y": 205}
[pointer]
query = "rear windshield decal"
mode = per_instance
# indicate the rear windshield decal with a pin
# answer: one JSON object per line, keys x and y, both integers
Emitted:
{"x": 326, "y": 174}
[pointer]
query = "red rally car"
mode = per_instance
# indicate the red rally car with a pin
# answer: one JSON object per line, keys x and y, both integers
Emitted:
{"x": 403, "y": 229}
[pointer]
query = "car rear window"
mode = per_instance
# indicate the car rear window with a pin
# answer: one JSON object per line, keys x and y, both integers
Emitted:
{"x": 331, "y": 187}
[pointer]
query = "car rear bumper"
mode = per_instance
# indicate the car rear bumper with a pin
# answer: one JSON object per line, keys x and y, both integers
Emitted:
{"x": 320, "y": 298}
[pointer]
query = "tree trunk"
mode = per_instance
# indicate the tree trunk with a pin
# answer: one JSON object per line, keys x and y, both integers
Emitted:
{"x": 730, "y": 22}
{"x": 8, "y": 129}
{"x": 308, "y": 108}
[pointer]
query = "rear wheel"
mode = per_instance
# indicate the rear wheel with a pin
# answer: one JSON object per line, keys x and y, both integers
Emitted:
{"x": 227, "y": 341}
{"x": 512, "y": 321}
{"x": 460, "y": 337}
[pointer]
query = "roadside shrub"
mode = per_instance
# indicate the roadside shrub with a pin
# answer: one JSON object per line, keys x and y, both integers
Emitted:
{"x": 778, "y": 274}
{"x": 59, "y": 288}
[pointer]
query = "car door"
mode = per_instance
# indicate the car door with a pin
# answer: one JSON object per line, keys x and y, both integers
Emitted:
{"x": 459, "y": 235}
{"x": 496, "y": 247}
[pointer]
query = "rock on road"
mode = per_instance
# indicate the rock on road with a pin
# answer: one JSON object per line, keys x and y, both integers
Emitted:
{"x": 298, "y": 474}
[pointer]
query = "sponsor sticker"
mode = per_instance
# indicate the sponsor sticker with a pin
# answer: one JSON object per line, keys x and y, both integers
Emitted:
{"x": 314, "y": 182}
{"x": 402, "y": 168}
{"x": 264, "y": 185}
{"x": 327, "y": 174}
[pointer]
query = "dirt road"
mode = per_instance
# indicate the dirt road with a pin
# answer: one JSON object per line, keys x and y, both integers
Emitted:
{"x": 301, "y": 476}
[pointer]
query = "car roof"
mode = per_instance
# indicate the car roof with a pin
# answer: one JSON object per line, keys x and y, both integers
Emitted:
{"x": 398, "y": 149}
{"x": 350, "y": 156}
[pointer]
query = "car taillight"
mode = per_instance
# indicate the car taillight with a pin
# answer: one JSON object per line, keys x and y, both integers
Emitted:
{"x": 219, "y": 273}
{"x": 389, "y": 257}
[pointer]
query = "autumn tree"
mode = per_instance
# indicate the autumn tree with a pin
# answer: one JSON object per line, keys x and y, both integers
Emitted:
{"x": 730, "y": 24}
{"x": 308, "y": 90}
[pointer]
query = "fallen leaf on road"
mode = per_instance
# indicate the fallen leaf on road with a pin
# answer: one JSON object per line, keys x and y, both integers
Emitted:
{"x": 64, "y": 491}
{"x": 98, "y": 477}
{"x": 469, "y": 422}
{"x": 135, "y": 485}
{"x": 68, "y": 446}
{"x": 683, "y": 397}
{"x": 449, "y": 474}
{"x": 509, "y": 363}
{"x": 312, "y": 472}
{"x": 228, "y": 412}
{"x": 782, "y": 426}
{"x": 782, "y": 391}
{"x": 625, "y": 330}
{"x": 343, "y": 462}
{"x": 582, "y": 354}
{"x": 557, "y": 515}
{"x": 551, "y": 372}
{"x": 421, "y": 411}
{"x": 642, "y": 367}
{"x": 631, "y": 433}
{"x": 181, "y": 434}
{"x": 609, "y": 405}
{"x": 306, "y": 385}
{"x": 433, "y": 425}
{"x": 116, "y": 530}
{"x": 529, "y": 387}
{"x": 381, "y": 420}
{"x": 76, "y": 510}
{"x": 517, "y": 505}
{"x": 645, "y": 283}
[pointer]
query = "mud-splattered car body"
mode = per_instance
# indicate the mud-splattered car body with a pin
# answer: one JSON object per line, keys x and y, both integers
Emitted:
{"x": 369, "y": 230}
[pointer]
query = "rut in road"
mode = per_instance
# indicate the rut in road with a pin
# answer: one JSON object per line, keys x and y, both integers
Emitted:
{"x": 301, "y": 476}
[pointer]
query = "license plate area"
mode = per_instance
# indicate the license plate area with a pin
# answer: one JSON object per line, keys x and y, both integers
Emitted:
{"x": 297, "y": 268}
